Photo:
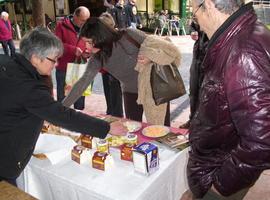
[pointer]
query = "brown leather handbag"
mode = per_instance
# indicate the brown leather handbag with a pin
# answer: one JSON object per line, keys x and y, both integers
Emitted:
{"x": 166, "y": 82}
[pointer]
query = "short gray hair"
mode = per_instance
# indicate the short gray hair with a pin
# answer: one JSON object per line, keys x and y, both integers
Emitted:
{"x": 40, "y": 42}
{"x": 226, "y": 7}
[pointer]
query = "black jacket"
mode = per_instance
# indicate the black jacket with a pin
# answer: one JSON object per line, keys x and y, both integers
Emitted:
{"x": 119, "y": 16}
{"x": 196, "y": 71}
{"x": 25, "y": 102}
{"x": 131, "y": 18}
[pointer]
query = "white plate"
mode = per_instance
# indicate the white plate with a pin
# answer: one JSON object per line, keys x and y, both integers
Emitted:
{"x": 132, "y": 126}
{"x": 155, "y": 131}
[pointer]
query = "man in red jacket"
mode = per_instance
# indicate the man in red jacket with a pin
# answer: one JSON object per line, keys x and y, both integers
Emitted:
{"x": 6, "y": 34}
{"x": 74, "y": 50}
{"x": 230, "y": 130}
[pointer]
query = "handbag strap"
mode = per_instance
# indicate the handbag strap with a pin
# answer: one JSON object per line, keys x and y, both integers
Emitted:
{"x": 132, "y": 40}
{"x": 171, "y": 66}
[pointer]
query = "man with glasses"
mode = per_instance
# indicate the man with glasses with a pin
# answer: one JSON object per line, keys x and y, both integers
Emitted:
{"x": 74, "y": 50}
{"x": 230, "y": 130}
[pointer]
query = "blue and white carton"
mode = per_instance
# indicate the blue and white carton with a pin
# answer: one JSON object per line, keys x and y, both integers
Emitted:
{"x": 146, "y": 158}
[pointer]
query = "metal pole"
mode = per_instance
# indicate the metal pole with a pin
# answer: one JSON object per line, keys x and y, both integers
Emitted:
{"x": 147, "y": 14}
{"x": 54, "y": 9}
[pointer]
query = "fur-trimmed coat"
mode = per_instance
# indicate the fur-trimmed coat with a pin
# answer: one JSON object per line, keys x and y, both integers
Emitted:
{"x": 162, "y": 52}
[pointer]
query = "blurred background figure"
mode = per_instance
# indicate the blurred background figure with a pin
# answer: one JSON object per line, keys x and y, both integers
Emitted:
{"x": 109, "y": 4}
{"x": 74, "y": 50}
{"x": 162, "y": 18}
{"x": 133, "y": 19}
{"x": 6, "y": 35}
{"x": 119, "y": 15}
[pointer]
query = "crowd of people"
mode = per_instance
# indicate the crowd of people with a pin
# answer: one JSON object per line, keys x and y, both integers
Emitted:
{"x": 229, "y": 89}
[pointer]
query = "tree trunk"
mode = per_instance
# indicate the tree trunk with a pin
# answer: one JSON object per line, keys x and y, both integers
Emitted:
{"x": 38, "y": 13}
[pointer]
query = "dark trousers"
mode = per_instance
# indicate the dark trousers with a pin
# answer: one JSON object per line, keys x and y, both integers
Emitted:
{"x": 113, "y": 95}
{"x": 12, "y": 181}
{"x": 61, "y": 83}
{"x": 210, "y": 195}
{"x": 8, "y": 46}
{"x": 135, "y": 112}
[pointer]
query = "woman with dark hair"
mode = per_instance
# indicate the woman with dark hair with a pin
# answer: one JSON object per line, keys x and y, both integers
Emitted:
{"x": 117, "y": 52}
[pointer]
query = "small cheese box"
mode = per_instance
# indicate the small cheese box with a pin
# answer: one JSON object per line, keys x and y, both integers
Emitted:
{"x": 81, "y": 154}
{"x": 146, "y": 158}
{"x": 102, "y": 161}
{"x": 87, "y": 141}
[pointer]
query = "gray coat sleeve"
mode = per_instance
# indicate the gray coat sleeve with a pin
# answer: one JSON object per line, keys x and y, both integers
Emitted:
{"x": 93, "y": 67}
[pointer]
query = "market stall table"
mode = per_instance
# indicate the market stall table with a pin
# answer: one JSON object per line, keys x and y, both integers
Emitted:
{"x": 68, "y": 180}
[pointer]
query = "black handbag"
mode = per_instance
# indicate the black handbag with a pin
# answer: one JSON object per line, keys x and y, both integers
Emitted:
{"x": 166, "y": 83}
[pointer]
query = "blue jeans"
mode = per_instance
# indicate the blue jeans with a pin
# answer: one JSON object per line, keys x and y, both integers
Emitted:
{"x": 61, "y": 83}
{"x": 8, "y": 46}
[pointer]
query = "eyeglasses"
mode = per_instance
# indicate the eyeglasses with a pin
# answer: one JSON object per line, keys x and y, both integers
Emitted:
{"x": 193, "y": 17}
{"x": 52, "y": 60}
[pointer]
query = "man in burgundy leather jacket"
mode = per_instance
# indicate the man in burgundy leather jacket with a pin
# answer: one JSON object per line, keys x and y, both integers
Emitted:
{"x": 230, "y": 131}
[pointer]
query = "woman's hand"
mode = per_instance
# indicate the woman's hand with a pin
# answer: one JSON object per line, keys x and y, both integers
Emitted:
{"x": 187, "y": 195}
{"x": 143, "y": 60}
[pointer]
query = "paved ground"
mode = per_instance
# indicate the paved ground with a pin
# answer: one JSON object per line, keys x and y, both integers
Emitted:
{"x": 179, "y": 110}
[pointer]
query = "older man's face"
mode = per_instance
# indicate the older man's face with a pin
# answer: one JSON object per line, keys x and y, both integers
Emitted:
{"x": 5, "y": 18}
{"x": 199, "y": 15}
{"x": 80, "y": 20}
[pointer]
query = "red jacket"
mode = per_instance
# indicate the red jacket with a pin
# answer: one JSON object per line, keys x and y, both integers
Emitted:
{"x": 66, "y": 32}
{"x": 5, "y": 32}
{"x": 230, "y": 131}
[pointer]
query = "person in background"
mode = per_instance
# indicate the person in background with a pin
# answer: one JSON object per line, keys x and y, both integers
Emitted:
{"x": 111, "y": 86}
{"x": 6, "y": 35}
{"x": 74, "y": 49}
{"x": 162, "y": 18}
{"x": 167, "y": 14}
{"x": 119, "y": 15}
{"x": 230, "y": 130}
{"x": 117, "y": 51}
{"x": 26, "y": 102}
{"x": 133, "y": 19}
{"x": 109, "y": 4}
{"x": 196, "y": 71}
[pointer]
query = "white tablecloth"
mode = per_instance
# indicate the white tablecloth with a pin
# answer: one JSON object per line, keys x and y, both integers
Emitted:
{"x": 68, "y": 180}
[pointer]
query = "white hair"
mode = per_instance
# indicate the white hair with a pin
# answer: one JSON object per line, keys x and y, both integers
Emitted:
{"x": 4, "y": 14}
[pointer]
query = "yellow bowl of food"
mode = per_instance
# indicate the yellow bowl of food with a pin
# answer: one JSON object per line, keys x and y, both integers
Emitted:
{"x": 155, "y": 131}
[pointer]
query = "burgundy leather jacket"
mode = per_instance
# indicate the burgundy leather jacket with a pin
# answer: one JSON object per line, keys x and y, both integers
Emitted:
{"x": 230, "y": 131}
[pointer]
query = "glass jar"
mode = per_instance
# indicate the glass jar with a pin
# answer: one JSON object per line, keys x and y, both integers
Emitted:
{"x": 131, "y": 139}
{"x": 103, "y": 146}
